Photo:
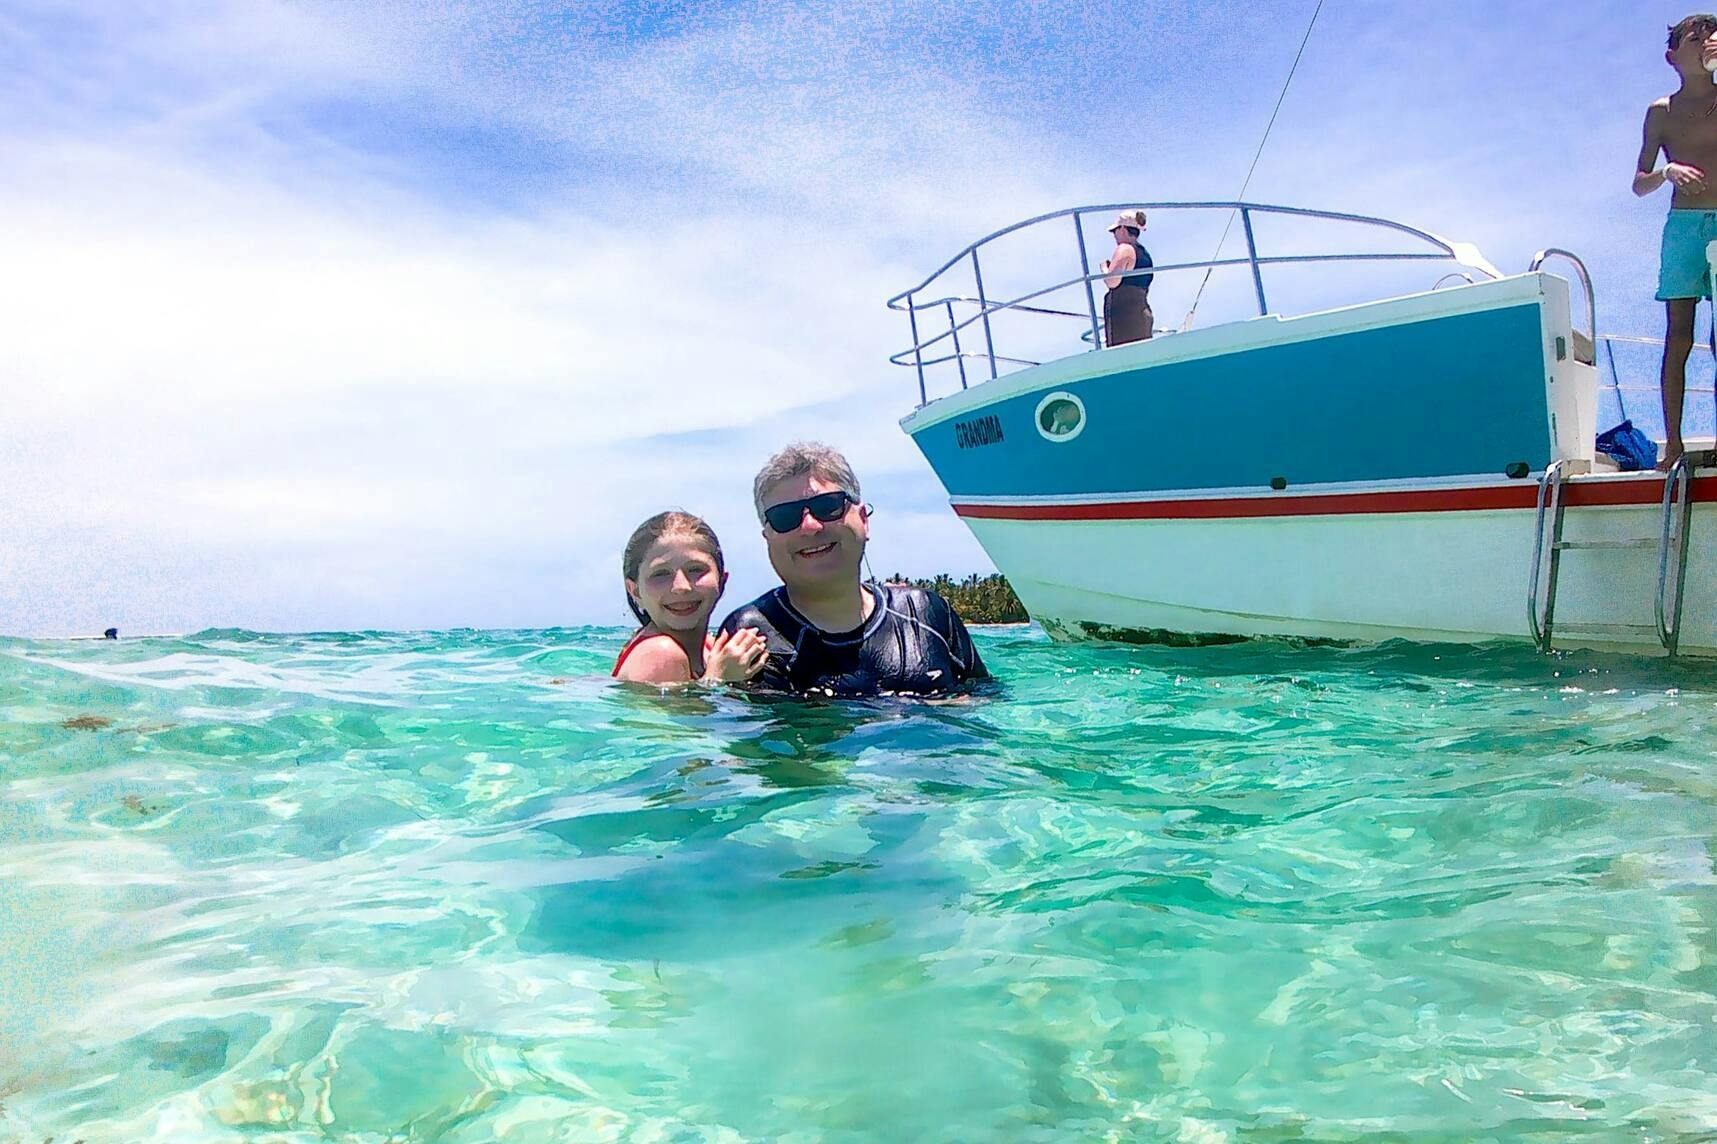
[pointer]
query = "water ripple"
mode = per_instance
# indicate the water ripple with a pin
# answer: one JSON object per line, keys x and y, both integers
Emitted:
{"x": 460, "y": 887}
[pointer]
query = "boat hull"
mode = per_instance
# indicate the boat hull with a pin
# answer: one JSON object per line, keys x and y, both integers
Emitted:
{"x": 1429, "y": 388}
{"x": 1362, "y": 474}
{"x": 1395, "y": 565}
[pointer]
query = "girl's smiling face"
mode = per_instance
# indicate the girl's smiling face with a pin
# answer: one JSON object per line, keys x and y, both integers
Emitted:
{"x": 678, "y": 583}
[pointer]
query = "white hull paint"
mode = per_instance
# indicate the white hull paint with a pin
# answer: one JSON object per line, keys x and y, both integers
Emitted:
{"x": 1459, "y": 576}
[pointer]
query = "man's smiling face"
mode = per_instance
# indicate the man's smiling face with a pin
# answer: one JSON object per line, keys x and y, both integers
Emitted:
{"x": 816, "y": 554}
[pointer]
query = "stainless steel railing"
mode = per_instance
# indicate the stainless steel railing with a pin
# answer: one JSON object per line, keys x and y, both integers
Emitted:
{"x": 922, "y": 351}
{"x": 1649, "y": 385}
{"x": 1573, "y": 259}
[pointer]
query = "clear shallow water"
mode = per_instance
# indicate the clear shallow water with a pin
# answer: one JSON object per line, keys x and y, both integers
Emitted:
{"x": 405, "y": 887}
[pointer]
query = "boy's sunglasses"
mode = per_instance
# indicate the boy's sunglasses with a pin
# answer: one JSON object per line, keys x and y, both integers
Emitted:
{"x": 826, "y": 507}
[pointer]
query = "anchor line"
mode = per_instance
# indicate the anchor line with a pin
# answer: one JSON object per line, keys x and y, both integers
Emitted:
{"x": 1241, "y": 197}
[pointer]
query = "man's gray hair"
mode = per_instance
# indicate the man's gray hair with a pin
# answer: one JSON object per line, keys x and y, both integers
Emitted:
{"x": 800, "y": 459}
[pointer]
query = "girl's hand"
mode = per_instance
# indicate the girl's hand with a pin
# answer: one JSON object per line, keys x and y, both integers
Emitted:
{"x": 735, "y": 658}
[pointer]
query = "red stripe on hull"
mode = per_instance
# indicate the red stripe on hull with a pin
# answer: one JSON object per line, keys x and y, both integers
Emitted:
{"x": 1647, "y": 490}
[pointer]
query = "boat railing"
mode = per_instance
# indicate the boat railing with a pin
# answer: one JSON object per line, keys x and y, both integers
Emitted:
{"x": 1585, "y": 276}
{"x": 945, "y": 345}
{"x": 1651, "y": 385}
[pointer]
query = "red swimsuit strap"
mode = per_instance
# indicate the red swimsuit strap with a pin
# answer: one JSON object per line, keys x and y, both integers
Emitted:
{"x": 639, "y": 637}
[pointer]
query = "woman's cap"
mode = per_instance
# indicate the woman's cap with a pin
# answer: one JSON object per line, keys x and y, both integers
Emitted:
{"x": 1133, "y": 221}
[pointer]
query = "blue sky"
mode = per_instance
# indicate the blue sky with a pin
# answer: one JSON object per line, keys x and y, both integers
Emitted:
{"x": 394, "y": 314}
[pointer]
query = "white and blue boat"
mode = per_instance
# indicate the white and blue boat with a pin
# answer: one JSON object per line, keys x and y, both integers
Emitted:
{"x": 1417, "y": 466}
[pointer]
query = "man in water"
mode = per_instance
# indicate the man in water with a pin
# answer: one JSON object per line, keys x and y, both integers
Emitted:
{"x": 827, "y": 631}
{"x": 1684, "y": 127}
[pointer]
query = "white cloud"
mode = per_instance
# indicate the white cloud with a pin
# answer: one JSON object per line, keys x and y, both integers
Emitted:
{"x": 266, "y": 369}
{"x": 211, "y": 373}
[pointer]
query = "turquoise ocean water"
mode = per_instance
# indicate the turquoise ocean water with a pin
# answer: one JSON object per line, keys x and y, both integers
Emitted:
{"x": 408, "y": 887}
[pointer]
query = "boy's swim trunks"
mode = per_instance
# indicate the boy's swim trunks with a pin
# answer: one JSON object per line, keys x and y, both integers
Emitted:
{"x": 1682, "y": 269}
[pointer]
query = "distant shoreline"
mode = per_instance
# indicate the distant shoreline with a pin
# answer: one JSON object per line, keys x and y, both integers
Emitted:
{"x": 987, "y": 600}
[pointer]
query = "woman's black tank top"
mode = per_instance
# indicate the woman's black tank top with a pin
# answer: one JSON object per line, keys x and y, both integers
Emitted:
{"x": 1141, "y": 261}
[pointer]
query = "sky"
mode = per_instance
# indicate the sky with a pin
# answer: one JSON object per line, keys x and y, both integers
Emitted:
{"x": 377, "y": 314}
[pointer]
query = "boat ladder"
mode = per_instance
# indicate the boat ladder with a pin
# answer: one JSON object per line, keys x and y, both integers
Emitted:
{"x": 1670, "y": 542}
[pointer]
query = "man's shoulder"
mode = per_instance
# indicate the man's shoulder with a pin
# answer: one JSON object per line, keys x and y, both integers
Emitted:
{"x": 931, "y": 612}
{"x": 925, "y": 604}
{"x": 764, "y": 612}
{"x": 895, "y": 592}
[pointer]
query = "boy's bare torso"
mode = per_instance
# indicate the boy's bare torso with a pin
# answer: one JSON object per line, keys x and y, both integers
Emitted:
{"x": 1686, "y": 128}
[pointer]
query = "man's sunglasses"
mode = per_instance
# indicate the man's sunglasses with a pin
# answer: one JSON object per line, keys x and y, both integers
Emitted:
{"x": 826, "y": 507}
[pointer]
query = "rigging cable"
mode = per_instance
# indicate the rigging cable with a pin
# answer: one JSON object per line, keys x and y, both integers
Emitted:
{"x": 1241, "y": 197}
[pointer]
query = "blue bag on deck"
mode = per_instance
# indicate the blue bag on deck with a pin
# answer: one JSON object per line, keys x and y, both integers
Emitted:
{"x": 1631, "y": 449}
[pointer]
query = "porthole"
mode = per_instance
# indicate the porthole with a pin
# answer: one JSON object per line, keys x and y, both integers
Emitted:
{"x": 1060, "y": 417}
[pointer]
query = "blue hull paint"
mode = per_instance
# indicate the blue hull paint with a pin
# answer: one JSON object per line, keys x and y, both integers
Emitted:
{"x": 1443, "y": 396}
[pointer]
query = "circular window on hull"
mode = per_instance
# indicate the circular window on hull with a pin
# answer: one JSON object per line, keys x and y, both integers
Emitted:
{"x": 1060, "y": 417}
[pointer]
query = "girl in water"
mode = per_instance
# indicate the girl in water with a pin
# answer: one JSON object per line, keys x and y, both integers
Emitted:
{"x": 674, "y": 576}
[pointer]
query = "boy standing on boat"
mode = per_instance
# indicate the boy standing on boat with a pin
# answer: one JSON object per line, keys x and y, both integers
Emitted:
{"x": 1684, "y": 127}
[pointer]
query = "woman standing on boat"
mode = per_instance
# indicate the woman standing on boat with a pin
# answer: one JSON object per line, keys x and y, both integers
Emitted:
{"x": 1127, "y": 305}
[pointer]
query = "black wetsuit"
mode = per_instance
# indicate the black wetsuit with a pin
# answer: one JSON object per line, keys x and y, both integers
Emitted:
{"x": 912, "y": 644}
